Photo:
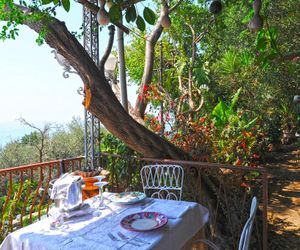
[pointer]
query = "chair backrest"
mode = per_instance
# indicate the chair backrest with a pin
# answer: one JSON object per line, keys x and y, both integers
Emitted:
{"x": 246, "y": 233}
{"x": 166, "y": 181}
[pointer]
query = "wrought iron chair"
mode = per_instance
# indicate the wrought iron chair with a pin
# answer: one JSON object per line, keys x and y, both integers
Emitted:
{"x": 246, "y": 232}
{"x": 164, "y": 181}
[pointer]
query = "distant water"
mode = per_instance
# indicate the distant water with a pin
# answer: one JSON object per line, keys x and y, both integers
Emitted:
{"x": 10, "y": 131}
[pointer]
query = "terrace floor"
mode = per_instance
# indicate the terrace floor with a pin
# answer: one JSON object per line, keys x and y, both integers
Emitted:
{"x": 284, "y": 198}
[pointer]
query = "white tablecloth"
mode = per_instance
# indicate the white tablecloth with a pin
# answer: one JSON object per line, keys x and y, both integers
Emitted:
{"x": 90, "y": 232}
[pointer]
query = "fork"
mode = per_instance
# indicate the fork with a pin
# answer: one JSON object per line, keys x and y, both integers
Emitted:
{"x": 114, "y": 238}
{"x": 124, "y": 237}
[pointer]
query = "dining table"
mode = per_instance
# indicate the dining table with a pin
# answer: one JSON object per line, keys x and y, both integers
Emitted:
{"x": 97, "y": 229}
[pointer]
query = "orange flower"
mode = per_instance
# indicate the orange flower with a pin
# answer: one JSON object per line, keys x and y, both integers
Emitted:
{"x": 245, "y": 185}
{"x": 246, "y": 134}
{"x": 176, "y": 136}
{"x": 238, "y": 162}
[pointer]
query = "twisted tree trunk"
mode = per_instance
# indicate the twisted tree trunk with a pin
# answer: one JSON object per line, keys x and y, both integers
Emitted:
{"x": 101, "y": 101}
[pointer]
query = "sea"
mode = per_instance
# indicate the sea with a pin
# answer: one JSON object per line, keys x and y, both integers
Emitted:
{"x": 10, "y": 131}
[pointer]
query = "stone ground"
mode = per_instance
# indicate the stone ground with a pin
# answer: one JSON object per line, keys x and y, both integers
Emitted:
{"x": 284, "y": 198}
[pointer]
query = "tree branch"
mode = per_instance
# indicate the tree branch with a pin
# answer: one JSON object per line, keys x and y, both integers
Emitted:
{"x": 90, "y": 6}
{"x": 103, "y": 102}
{"x": 141, "y": 102}
{"x": 108, "y": 48}
{"x": 175, "y": 6}
{"x": 94, "y": 8}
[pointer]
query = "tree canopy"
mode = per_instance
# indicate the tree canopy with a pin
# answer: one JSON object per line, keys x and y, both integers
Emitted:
{"x": 211, "y": 50}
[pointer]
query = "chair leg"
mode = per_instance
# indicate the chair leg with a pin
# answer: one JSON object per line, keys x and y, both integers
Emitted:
{"x": 191, "y": 245}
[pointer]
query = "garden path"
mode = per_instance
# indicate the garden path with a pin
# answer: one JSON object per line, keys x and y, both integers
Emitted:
{"x": 284, "y": 198}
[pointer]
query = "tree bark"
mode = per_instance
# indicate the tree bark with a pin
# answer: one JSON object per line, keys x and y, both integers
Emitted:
{"x": 151, "y": 40}
{"x": 103, "y": 103}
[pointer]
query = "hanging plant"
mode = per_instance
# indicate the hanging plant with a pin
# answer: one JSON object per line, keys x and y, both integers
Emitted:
{"x": 215, "y": 7}
{"x": 102, "y": 15}
{"x": 165, "y": 19}
{"x": 256, "y": 22}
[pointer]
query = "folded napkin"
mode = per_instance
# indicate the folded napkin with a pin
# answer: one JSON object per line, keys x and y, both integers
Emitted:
{"x": 83, "y": 210}
{"x": 172, "y": 209}
{"x": 63, "y": 186}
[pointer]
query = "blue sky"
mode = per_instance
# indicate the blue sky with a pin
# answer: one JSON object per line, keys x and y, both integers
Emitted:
{"x": 31, "y": 83}
{"x": 31, "y": 80}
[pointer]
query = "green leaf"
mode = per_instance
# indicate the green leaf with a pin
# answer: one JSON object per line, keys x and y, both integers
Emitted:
{"x": 46, "y": 1}
{"x": 130, "y": 14}
{"x": 250, "y": 124}
{"x": 114, "y": 13}
{"x": 55, "y": 1}
{"x": 248, "y": 17}
{"x": 235, "y": 98}
{"x": 149, "y": 16}
{"x": 219, "y": 113}
{"x": 140, "y": 23}
{"x": 261, "y": 44}
{"x": 66, "y": 5}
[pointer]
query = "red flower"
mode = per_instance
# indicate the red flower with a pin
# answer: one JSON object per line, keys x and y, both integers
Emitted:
{"x": 202, "y": 119}
{"x": 243, "y": 145}
{"x": 295, "y": 58}
{"x": 168, "y": 118}
{"x": 146, "y": 87}
{"x": 256, "y": 156}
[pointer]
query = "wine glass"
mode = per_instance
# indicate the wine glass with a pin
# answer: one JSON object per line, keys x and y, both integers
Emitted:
{"x": 101, "y": 184}
{"x": 57, "y": 219}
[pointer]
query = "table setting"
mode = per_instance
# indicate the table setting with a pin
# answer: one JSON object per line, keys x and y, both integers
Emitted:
{"x": 127, "y": 220}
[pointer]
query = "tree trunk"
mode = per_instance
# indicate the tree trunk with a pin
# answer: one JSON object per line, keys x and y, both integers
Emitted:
{"x": 103, "y": 103}
{"x": 141, "y": 102}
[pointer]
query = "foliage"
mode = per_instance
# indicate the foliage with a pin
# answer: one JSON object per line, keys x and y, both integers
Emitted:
{"x": 118, "y": 169}
{"x": 64, "y": 142}
{"x": 225, "y": 136}
{"x": 206, "y": 59}
{"x": 228, "y": 57}
{"x": 19, "y": 203}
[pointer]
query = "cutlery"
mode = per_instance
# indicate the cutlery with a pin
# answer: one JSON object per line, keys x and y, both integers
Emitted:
{"x": 114, "y": 238}
{"x": 147, "y": 204}
{"x": 124, "y": 237}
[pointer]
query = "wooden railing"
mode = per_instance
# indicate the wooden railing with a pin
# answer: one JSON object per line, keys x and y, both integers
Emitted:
{"x": 24, "y": 191}
{"x": 225, "y": 189}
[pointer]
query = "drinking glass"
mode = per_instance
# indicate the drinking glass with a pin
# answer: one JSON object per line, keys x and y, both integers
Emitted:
{"x": 101, "y": 184}
{"x": 56, "y": 218}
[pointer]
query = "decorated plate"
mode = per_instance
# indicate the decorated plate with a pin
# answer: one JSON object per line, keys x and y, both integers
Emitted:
{"x": 128, "y": 197}
{"x": 144, "y": 221}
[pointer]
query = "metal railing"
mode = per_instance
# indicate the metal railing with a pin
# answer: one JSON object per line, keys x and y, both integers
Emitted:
{"x": 24, "y": 191}
{"x": 225, "y": 189}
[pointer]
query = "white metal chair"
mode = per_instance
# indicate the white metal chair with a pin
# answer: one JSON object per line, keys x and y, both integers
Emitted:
{"x": 164, "y": 181}
{"x": 246, "y": 232}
